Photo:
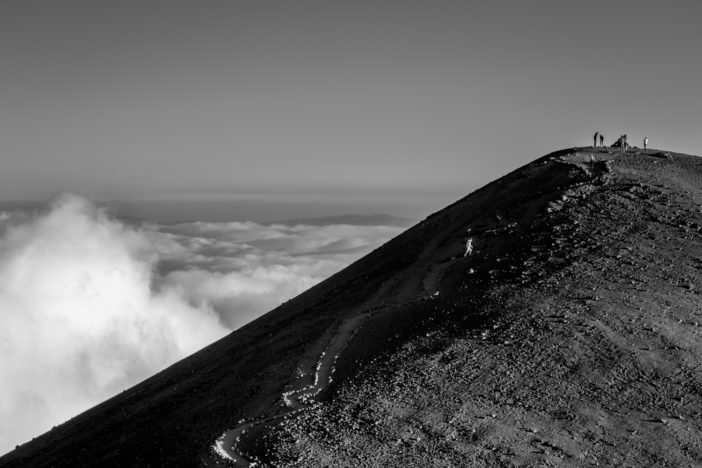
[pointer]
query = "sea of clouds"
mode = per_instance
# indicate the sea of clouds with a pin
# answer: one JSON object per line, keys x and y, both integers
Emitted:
{"x": 90, "y": 305}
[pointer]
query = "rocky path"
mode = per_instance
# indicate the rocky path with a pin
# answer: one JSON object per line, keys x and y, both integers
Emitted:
{"x": 302, "y": 396}
{"x": 298, "y": 398}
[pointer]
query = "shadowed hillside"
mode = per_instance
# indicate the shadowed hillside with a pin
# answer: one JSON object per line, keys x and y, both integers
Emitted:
{"x": 569, "y": 335}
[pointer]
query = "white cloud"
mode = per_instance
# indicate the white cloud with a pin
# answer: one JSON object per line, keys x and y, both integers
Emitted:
{"x": 79, "y": 318}
{"x": 90, "y": 306}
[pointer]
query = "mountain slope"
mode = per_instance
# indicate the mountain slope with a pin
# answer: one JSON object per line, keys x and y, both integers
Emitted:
{"x": 570, "y": 331}
{"x": 590, "y": 353}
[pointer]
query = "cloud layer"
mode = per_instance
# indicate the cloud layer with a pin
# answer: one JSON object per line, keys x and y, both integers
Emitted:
{"x": 244, "y": 269}
{"x": 90, "y": 306}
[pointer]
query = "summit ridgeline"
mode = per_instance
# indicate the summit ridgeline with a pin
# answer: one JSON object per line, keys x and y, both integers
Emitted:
{"x": 552, "y": 317}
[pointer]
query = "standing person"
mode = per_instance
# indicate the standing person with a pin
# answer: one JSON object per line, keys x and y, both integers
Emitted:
{"x": 594, "y": 139}
{"x": 601, "y": 140}
{"x": 645, "y": 142}
{"x": 622, "y": 144}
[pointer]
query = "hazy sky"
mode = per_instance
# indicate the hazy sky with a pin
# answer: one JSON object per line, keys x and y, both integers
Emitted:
{"x": 205, "y": 99}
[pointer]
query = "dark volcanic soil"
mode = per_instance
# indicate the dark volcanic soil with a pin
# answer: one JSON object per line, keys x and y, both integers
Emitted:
{"x": 570, "y": 336}
{"x": 589, "y": 355}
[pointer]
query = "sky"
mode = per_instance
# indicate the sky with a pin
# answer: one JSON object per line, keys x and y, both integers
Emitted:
{"x": 215, "y": 100}
{"x": 171, "y": 151}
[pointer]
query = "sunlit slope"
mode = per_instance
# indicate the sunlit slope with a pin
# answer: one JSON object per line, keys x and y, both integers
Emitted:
{"x": 589, "y": 352}
{"x": 552, "y": 228}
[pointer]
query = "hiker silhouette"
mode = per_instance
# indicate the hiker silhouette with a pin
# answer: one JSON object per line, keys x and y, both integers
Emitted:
{"x": 469, "y": 247}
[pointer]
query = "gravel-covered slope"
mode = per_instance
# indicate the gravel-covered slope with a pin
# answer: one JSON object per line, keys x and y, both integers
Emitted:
{"x": 579, "y": 346}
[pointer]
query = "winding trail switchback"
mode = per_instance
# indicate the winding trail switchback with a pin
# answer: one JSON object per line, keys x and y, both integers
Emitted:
{"x": 300, "y": 396}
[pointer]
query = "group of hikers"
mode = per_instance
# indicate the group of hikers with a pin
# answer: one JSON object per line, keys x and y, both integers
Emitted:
{"x": 620, "y": 143}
